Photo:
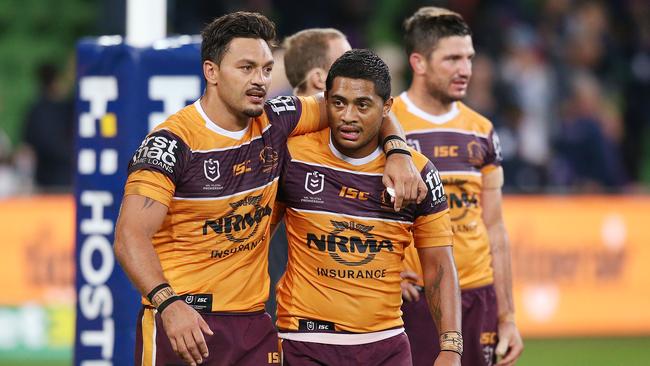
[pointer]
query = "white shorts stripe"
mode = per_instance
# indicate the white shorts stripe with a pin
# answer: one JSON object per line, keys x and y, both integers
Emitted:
{"x": 342, "y": 339}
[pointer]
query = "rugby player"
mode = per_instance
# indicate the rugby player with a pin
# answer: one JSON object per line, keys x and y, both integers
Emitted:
{"x": 465, "y": 148}
{"x": 339, "y": 299}
{"x": 307, "y": 58}
{"x": 193, "y": 229}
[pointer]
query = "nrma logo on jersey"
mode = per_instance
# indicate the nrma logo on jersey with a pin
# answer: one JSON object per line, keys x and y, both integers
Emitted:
{"x": 350, "y": 240}
{"x": 242, "y": 222}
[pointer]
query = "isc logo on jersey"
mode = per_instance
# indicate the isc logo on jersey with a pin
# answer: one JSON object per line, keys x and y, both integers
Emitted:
{"x": 157, "y": 150}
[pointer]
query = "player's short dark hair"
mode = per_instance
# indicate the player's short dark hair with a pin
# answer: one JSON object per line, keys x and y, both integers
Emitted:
{"x": 218, "y": 34}
{"x": 424, "y": 29}
{"x": 361, "y": 64}
{"x": 307, "y": 50}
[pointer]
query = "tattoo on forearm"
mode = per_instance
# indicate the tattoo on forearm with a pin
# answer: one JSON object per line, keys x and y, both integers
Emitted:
{"x": 148, "y": 202}
{"x": 432, "y": 292}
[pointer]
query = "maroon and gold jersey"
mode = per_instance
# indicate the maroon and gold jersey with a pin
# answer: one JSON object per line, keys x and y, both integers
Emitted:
{"x": 346, "y": 243}
{"x": 464, "y": 147}
{"x": 219, "y": 187}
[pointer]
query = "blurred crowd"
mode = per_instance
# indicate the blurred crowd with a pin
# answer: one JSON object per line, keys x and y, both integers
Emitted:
{"x": 565, "y": 82}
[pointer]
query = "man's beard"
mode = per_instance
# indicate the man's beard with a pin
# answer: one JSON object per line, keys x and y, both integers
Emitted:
{"x": 253, "y": 112}
{"x": 441, "y": 95}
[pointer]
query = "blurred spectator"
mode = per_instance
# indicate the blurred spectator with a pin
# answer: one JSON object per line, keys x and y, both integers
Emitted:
{"x": 588, "y": 156}
{"x": 9, "y": 181}
{"x": 637, "y": 90}
{"x": 525, "y": 69}
{"x": 49, "y": 131}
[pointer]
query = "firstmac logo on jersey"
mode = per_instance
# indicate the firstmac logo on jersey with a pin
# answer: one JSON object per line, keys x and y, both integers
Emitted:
{"x": 157, "y": 150}
{"x": 435, "y": 186}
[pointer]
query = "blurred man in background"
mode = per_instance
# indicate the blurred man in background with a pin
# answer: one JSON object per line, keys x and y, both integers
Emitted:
{"x": 466, "y": 150}
{"x": 49, "y": 131}
{"x": 309, "y": 55}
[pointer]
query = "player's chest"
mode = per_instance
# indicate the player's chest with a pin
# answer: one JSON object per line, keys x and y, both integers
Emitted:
{"x": 228, "y": 171}
{"x": 451, "y": 150}
{"x": 355, "y": 193}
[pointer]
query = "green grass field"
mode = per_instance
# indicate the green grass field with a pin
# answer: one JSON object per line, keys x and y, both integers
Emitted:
{"x": 586, "y": 352}
{"x": 539, "y": 352}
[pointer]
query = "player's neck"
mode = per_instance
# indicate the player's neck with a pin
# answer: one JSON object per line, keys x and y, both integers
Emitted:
{"x": 221, "y": 114}
{"x": 428, "y": 103}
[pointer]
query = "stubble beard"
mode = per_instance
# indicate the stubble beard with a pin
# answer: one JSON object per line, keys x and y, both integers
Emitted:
{"x": 253, "y": 112}
{"x": 441, "y": 95}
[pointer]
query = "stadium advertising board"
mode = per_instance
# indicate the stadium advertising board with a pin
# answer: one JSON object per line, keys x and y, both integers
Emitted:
{"x": 36, "y": 278}
{"x": 122, "y": 92}
{"x": 580, "y": 264}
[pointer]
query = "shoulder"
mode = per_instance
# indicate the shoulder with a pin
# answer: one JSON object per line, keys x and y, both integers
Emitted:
{"x": 476, "y": 121}
{"x": 183, "y": 124}
{"x": 308, "y": 143}
{"x": 419, "y": 159}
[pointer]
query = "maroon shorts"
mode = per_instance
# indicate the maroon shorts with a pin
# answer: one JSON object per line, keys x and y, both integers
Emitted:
{"x": 479, "y": 328}
{"x": 393, "y": 351}
{"x": 239, "y": 339}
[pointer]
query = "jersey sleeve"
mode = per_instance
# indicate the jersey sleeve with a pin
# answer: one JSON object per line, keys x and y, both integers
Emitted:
{"x": 157, "y": 166}
{"x": 294, "y": 115}
{"x": 152, "y": 184}
{"x": 493, "y": 156}
{"x": 432, "y": 225}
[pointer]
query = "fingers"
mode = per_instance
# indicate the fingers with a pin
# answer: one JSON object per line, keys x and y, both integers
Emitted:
{"x": 387, "y": 181}
{"x": 409, "y": 275}
{"x": 183, "y": 351}
{"x": 399, "y": 196}
{"x": 413, "y": 192}
{"x": 406, "y": 295}
{"x": 200, "y": 342}
{"x": 410, "y": 292}
{"x": 512, "y": 354}
{"x": 205, "y": 327}
{"x": 415, "y": 294}
{"x": 502, "y": 346}
{"x": 193, "y": 348}
{"x": 422, "y": 191}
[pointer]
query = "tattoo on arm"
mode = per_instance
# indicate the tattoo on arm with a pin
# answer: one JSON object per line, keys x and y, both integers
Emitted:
{"x": 148, "y": 202}
{"x": 432, "y": 292}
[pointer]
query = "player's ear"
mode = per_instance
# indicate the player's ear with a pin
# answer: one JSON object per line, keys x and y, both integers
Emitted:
{"x": 418, "y": 63}
{"x": 210, "y": 72}
{"x": 317, "y": 77}
{"x": 388, "y": 104}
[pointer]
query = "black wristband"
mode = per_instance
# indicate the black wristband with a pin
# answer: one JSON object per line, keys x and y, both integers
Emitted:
{"x": 391, "y": 137}
{"x": 156, "y": 289}
{"x": 398, "y": 151}
{"x": 451, "y": 350}
{"x": 167, "y": 302}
